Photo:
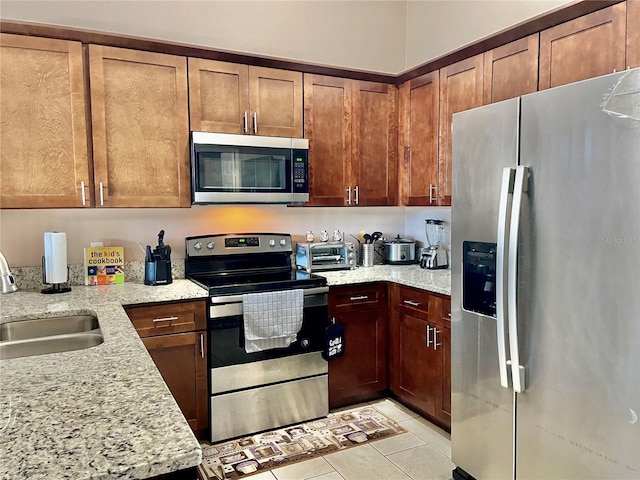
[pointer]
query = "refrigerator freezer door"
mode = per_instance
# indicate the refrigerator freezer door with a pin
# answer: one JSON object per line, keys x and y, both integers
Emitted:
{"x": 485, "y": 141}
{"x": 579, "y": 282}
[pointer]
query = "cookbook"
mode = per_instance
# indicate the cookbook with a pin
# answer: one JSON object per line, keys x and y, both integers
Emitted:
{"x": 103, "y": 265}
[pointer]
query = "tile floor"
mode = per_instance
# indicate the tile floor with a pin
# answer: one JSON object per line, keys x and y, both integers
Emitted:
{"x": 423, "y": 453}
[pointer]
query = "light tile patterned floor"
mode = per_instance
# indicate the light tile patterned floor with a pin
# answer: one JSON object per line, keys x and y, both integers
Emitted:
{"x": 423, "y": 453}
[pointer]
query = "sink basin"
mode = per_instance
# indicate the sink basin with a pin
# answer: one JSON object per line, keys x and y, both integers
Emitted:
{"x": 49, "y": 335}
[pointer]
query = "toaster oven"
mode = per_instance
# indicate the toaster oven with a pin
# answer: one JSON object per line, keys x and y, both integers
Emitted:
{"x": 316, "y": 257}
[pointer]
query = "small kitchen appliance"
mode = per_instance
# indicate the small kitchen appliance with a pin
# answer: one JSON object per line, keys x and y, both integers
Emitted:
{"x": 7, "y": 279}
{"x": 322, "y": 256}
{"x": 435, "y": 256}
{"x": 271, "y": 387}
{"x": 399, "y": 251}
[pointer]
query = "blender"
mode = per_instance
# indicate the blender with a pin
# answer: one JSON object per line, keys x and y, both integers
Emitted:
{"x": 434, "y": 256}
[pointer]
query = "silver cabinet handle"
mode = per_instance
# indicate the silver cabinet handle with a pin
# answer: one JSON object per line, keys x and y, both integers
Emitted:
{"x": 165, "y": 319}
{"x": 412, "y": 303}
{"x": 435, "y": 338}
{"x": 201, "y": 346}
{"x": 101, "y": 194}
{"x": 359, "y": 297}
{"x": 357, "y": 196}
{"x": 84, "y": 198}
{"x": 506, "y": 189}
{"x": 349, "y": 195}
{"x": 520, "y": 187}
{"x": 246, "y": 122}
{"x": 428, "y": 331}
{"x": 432, "y": 189}
{"x": 255, "y": 122}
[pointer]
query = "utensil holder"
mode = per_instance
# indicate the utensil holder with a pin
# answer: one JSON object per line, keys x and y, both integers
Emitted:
{"x": 367, "y": 253}
{"x": 157, "y": 272}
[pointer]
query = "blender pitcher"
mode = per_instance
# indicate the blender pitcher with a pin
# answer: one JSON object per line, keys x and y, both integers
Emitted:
{"x": 434, "y": 256}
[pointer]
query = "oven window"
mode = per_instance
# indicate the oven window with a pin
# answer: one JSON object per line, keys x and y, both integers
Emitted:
{"x": 234, "y": 169}
{"x": 226, "y": 339}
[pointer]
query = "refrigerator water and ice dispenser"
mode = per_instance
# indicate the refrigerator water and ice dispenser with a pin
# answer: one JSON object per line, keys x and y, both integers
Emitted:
{"x": 479, "y": 278}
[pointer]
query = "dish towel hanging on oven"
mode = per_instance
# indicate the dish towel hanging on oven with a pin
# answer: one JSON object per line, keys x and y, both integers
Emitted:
{"x": 271, "y": 319}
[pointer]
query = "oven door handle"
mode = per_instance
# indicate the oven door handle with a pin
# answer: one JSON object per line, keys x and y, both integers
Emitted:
{"x": 238, "y": 298}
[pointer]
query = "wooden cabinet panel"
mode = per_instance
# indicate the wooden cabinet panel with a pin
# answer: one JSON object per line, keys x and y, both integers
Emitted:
{"x": 182, "y": 361}
{"x": 218, "y": 96}
{"x": 589, "y": 46}
{"x": 164, "y": 319}
{"x": 327, "y": 125}
{"x": 460, "y": 89}
{"x": 419, "y": 101}
{"x": 511, "y": 70}
{"x": 276, "y": 100}
{"x": 633, "y": 33}
{"x": 374, "y": 163}
{"x": 43, "y": 131}
{"x": 358, "y": 297}
{"x": 140, "y": 128}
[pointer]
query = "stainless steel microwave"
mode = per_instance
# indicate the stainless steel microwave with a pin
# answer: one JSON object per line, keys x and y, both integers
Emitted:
{"x": 227, "y": 168}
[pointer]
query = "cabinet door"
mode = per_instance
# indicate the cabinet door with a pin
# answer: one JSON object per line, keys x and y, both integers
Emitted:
{"x": 374, "y": 162}
{"x": 361, "y": 373}
{"x": 140, "y": 128}
{"x": 589, "y": 46}
{"x": 633, "y": 33}
{"x": 440, "y": 320}
{"x": 218, "y": 96}
{"x": 43, "y": 131}
{"x": 418, "y": 140}
{"x": 327, "y": 126}
{"x": 182, "y": 361}
{"x": 511, "y": 70}
{"x": 460, "y": 89}
{"x": 275, "y": 97}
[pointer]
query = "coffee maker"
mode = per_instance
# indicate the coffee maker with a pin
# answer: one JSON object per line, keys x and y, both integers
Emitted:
{"x": 435, "y": 256}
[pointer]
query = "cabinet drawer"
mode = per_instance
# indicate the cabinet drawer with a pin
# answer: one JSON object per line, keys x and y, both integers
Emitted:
{"x": 412, "y": 301}
{"x": 168, "y": 318}
{"x": 357, "y": 297}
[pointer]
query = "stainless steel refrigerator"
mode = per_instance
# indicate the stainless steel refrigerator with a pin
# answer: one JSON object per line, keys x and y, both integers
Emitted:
{"x": 546, "y": 284}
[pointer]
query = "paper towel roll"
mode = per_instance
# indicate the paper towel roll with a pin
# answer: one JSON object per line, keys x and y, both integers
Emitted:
{"x": 55, "y": 257}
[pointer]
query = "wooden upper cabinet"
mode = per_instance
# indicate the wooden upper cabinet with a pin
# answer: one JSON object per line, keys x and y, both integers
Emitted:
{"x": 511, "y": 70}
{"x": 374, "y": 162}
{"x": 140, "y": 123}
{"x": 43, "y": 129}
{"x": 589, "y": 46}
{"x": 633, "y": 33}
{"x": 327, "y": 125}
{"x": 419, "y": 101}
{"x": 233, "y": 98}
{"x": 218, "y": 96}
{"x": 460, "y": 89}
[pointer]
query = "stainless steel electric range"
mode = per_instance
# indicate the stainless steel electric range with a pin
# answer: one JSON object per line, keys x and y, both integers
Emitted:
{"x": 251, "y": 392}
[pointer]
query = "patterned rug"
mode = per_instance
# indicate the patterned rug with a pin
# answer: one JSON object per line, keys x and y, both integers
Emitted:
{"x": 261, "y": 452}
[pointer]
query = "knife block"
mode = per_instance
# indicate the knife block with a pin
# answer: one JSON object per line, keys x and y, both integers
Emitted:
{"x": 157, "y": 272}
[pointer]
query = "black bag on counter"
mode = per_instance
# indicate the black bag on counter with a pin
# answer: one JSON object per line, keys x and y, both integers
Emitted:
{"x": 334, "y": 341}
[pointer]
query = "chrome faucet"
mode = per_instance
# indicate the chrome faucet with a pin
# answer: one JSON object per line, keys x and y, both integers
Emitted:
{"x": 6, "y": 278}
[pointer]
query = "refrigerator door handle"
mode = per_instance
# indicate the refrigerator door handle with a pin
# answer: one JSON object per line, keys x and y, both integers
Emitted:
{"x": 506, "y": 189}
{"x": 520, "y": 187}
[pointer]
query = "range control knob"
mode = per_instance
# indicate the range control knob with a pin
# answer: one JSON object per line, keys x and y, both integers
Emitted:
{"x": 198, "y": 246}
{"x": 210, "y": 245}
{"x": 272, "y": 243}
{"x": 283, "y": 242}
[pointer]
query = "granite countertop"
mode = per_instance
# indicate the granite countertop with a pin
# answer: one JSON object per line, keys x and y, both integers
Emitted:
{"x": 438, "y": 281}
{"x": 99, "y": 413}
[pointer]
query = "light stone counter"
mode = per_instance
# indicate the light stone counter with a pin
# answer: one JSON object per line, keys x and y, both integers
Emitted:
{"x": 99, "y": 413}
{"x": 437, "y": 281}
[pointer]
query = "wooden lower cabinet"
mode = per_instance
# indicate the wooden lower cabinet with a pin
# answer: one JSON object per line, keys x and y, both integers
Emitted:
{"x": 420, "y": 363}
{"x": 175, "y": 336}
{"x": 361, "y": 373}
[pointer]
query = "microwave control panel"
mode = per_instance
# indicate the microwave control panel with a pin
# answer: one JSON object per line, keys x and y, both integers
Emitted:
{"x": 300, "y": 171}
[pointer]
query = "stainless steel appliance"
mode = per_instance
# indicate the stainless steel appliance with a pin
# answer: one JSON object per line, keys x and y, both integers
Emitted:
{"x": 228, "y": 168}
{"x": 6, "y": 278}
{"x": 323, "y": 256}
{"x": 434, "y": 256}
{"x": 545, "y": 281}
{"x": 399, "y": 251}
{"x": 269, "y": 388}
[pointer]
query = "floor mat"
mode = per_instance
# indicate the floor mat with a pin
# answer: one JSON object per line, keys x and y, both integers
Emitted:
{"x": 261, "y": 452}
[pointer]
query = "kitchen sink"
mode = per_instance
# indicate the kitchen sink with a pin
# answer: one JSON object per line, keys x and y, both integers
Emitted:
{"x": 49, "y": 335}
